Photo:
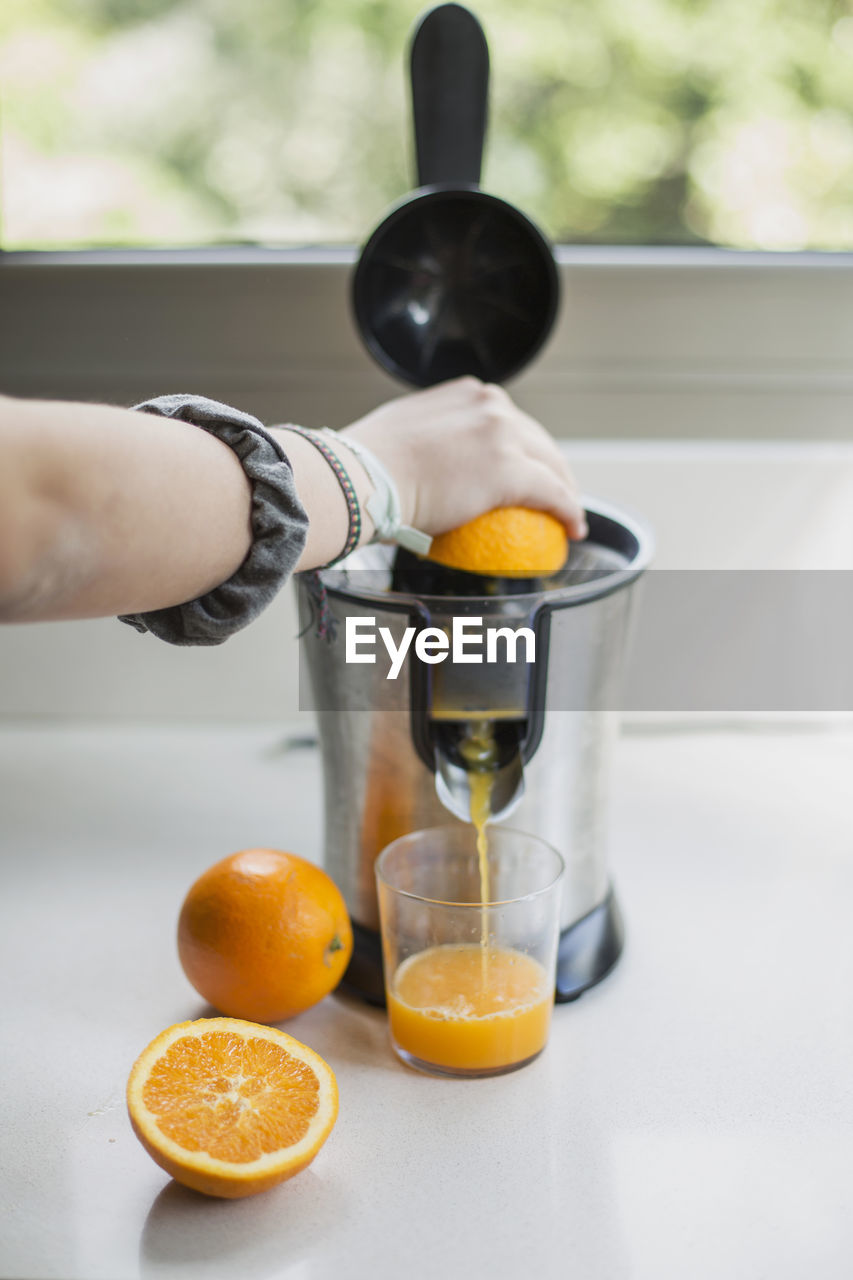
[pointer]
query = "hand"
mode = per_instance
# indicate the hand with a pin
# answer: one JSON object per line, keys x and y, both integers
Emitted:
{"x": 462, "y": 448}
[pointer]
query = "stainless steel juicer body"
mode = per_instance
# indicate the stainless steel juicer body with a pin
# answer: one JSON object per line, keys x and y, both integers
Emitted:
{"x": 383, "y": 741}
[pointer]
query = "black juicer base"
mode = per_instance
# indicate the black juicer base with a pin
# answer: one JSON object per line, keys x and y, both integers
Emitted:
{"x": 588, "y": 950}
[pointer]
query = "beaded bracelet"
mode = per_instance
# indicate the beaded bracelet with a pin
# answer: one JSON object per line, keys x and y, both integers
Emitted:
{"x": 342, "y": 476}
{"x": 383, "y": 505}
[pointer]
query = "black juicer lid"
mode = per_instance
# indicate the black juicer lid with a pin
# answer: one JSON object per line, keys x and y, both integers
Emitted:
{"x": 454, "y": 281}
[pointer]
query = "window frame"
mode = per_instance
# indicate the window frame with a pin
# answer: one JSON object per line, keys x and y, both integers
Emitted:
{"x": 651, "y": 342}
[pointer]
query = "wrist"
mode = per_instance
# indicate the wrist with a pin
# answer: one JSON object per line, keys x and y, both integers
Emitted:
{"x": 334, "y": 493}
{"x": 354, "y": 437}
{"x": 361, "y": 481}
{"x": 385, "y": 505}
{"x": 373, "y": 506}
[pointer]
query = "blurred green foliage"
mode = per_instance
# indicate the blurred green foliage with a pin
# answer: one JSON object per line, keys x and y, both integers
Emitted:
{"x": 644, "y": 121}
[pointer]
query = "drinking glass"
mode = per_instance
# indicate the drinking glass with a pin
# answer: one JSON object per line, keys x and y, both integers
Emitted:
{"x": 469, "y": 978}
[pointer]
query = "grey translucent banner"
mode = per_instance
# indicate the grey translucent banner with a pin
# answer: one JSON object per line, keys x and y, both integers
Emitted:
{"x": 678, "y": 641}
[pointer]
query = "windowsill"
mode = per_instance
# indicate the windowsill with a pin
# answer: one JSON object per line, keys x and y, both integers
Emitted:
{"x": 569, "y": 255}
{"x": 650, "y": 342}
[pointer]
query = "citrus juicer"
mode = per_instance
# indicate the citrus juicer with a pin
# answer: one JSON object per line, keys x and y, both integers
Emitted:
{"x": 394, "y": 750}
{"x": 455, "y": 281}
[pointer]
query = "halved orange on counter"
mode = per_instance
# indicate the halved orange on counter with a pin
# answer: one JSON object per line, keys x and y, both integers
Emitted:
{"x": 231, "y": 1108}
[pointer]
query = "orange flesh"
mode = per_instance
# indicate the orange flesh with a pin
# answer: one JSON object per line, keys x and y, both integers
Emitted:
{"x": 442, "y": 1012}
{"x": 234, "y": 1098}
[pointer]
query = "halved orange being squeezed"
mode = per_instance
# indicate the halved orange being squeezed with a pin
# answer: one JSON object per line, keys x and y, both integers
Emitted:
{"x": 508, "y": 542}
{"x": 231, "y": 1108}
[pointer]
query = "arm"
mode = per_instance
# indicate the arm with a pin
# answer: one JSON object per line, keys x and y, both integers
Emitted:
{"x": 94, "y": 516}
{"x": 106, "y": 511}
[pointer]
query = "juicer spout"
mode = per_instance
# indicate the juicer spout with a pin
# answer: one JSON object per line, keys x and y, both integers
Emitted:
{"x": 486, "y": 750}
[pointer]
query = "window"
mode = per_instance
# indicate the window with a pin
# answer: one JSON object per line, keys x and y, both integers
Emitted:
{"x": 177, "y": 122}
{"x": 649, "y": 136}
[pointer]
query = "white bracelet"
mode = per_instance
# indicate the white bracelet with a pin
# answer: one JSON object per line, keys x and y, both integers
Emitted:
{"x": 383, "y": 506}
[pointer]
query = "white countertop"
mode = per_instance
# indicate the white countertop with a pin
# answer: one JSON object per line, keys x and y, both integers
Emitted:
{"x": 691, "y": 1117}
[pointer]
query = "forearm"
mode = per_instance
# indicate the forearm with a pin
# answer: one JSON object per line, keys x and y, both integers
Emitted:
{"x": 106, "y": 511}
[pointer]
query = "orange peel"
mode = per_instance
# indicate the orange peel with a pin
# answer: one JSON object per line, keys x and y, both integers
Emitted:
{"x": 507, "y": 542}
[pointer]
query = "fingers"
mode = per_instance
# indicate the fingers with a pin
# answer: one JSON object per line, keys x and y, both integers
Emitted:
{"x": 545, "y": 447}
{"x": 501, "y": 410}
{"x": 536, "y": 468}
{"x": 536, "y": 485}
{"x": 463, "y": 447}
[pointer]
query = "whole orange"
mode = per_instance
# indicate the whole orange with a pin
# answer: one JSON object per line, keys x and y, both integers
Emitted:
{"x": 263, "y": 935}
{"x": 507, "y": 542}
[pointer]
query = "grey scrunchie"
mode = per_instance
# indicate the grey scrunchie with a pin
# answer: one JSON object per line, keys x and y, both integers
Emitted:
{"x": 279, "y": 527}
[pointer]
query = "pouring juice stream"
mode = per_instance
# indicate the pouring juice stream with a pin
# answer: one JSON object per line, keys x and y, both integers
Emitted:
{"x": 479, "y": 751}
{"x": 472, "y": 1006}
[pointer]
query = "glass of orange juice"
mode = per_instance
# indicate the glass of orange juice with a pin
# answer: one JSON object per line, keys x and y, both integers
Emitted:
{"x": 469, "y": 946}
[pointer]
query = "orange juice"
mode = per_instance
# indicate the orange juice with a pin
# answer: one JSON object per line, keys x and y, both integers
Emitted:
{"x": 472, "y": 1007}
{"x": 480, "y": 751}
{"x": 481, "y": 811}
{"x": 443, "y": 1013}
